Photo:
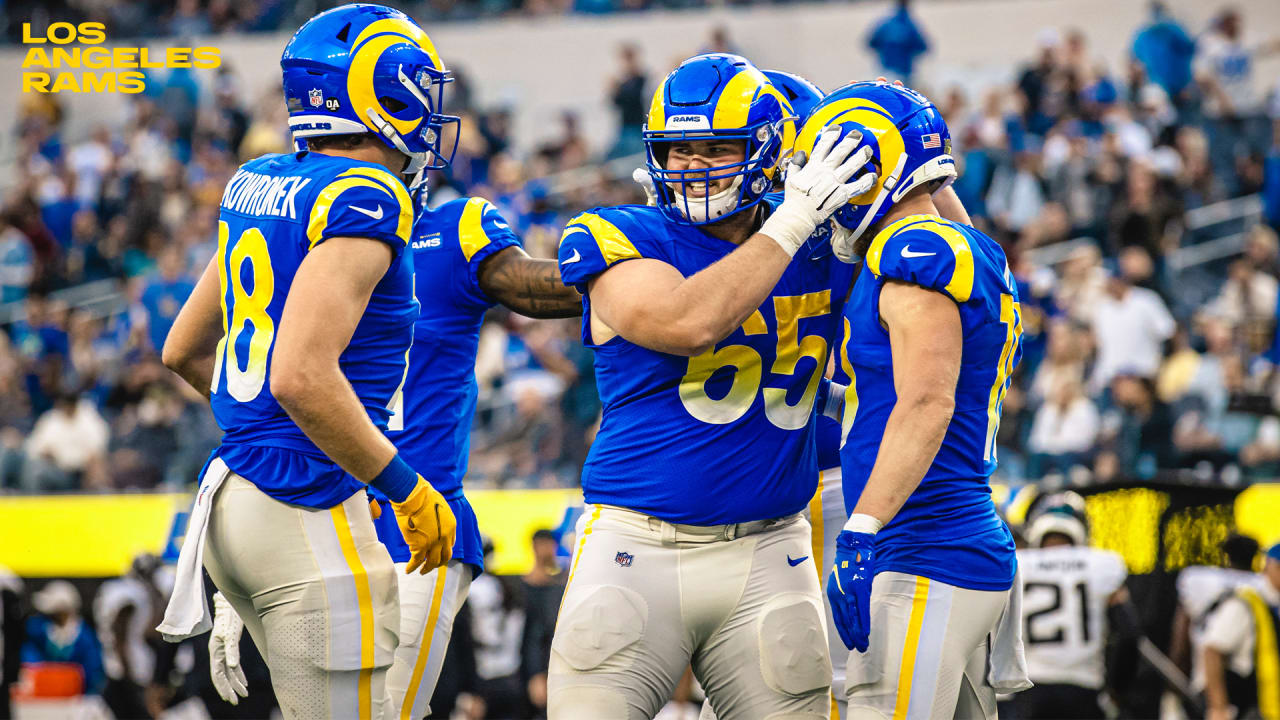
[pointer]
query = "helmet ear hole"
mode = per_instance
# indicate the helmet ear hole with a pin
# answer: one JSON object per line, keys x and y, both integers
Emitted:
{"x": 392, "y": 105}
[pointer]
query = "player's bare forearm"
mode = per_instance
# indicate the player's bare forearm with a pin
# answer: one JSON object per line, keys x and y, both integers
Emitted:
{"x": 192, "y": 343}
{"x": 326, "y": 408}
{"x": 651, "y": 304}
{"x": 1215, "y": 679}
{"x": 326, "y": 300}
{"x": 528, "y": 286}
{"x": 926, "y": 339}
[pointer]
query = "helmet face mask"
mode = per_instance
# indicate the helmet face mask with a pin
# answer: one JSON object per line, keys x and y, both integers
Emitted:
{"x": 710, "y": 98}
{"x": 360, "y": 69}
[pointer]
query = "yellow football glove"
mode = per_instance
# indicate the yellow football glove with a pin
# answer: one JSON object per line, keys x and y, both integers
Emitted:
{"x": 428, "y": 527}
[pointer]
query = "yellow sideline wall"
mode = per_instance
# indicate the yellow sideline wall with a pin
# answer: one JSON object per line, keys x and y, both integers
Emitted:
{"x": 98, "y": 535}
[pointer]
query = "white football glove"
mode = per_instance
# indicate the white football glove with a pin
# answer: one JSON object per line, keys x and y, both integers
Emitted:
{"x": 842, "y": 240}
{"x": 224, "y": 652}
{"x": 817, "y": 188}
{"x": 645, "y": 181}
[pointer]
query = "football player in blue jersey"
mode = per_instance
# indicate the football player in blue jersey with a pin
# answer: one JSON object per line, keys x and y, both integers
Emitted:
{"x": 711, "y": 333}
{"x": 930, "y": 338}
{"x": 467, "y": 259}
{"x": 299, "y": 330}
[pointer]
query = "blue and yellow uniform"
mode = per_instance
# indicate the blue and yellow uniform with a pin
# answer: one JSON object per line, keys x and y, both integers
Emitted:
{"x": 710, "y": 439}
{"x": 433, "y": 434}
{"x": 274, "y": 211}
{"x": 948, "y": 529}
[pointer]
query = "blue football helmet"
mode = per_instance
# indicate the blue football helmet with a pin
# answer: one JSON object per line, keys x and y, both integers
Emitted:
{"x": 910, "y": 144}
{"x": 803, "y": 95}
{"x": 368, "y": 69}
{"x": 718, "y": 96}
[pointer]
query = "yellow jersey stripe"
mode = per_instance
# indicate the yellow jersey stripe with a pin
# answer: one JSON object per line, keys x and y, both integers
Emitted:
{"x": 919, "y": 600}
{"x": 960, "y": 286}
{"x": 613, "y": 243}
{"x": 877, "y": 244}
{"x": 397, "y": 189}
{"x": 471, "y": 235}
{"x": 850, "y": 412}
{"x": 364, "y": 599}
{"x": 327, "y": 197}
{"x": 424, "y": 647}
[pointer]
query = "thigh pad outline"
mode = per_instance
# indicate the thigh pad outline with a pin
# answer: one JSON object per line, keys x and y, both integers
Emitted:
{"x": 793, "y": 645}
{"x": 606, "y": 620}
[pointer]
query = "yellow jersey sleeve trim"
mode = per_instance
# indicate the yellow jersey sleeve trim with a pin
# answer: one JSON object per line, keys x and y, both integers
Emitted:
{"x": 877, "y": 244}
{"x": 357, "y": 177}
{"x": 397, "y": 189}
{"x": 471, "y": 235}
{"x": 960, "y": 286}
{"x": 612, "y": 242}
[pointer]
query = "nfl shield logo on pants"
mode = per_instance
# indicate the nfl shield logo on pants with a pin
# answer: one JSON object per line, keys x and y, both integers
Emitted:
{"x": 623, "y": 558}
{"x": 316, "y": 96}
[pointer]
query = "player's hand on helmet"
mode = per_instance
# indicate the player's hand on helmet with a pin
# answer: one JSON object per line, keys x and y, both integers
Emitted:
{"x": 428, "y": 527}
{"x": 645, "y": 181}
{"x": 817, "y": 186}
{"x": 849, "y": 586}
{"x": 224, "y": 652}
{"x": 842, "y": 240}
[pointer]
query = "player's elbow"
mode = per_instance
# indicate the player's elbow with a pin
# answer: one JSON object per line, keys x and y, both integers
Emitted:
{"x": 175, "y": 356}
{"x": 291, "y": 383}
{"x": 935, "y": 404}
{"x": 693, "y": 336}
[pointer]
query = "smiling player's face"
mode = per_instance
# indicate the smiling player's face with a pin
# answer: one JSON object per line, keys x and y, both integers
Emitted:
{"x": 685, "y": 155}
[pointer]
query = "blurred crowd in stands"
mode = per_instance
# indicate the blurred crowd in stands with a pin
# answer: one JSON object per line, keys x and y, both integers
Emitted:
{"x": 1138, "y": 206}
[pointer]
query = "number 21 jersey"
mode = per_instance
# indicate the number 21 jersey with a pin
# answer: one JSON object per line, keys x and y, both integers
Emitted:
{"x": 274, "y": 211}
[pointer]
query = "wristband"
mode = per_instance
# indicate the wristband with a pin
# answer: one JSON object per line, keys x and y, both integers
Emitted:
{"x": 787, "y": 228}
{"x": 830, "y": 400}
{"x": 396, "y": 480}
{"x": 861, "y": 523}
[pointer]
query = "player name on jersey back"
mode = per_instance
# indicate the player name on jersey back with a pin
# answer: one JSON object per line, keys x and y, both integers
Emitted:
{"x": 253, "y": 193}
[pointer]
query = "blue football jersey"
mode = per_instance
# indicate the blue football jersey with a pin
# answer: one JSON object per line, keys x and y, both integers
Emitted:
{"x": 432, "y": 431}
{"x": 723, "y": 437}
{"x": 948, "y": 529}
{"x": 274, "y": 211}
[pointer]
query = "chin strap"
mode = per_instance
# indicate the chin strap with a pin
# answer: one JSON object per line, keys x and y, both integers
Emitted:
{"x": 711, "y": 207}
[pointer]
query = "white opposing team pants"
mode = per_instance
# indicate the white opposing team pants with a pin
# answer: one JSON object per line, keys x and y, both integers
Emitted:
{"x": 645, "y": 598}
{"x": 317, "y": 592}
{"x": 826, "y": 517}
{"x": 927, "y": 654}
{"x": 428, "y": 605}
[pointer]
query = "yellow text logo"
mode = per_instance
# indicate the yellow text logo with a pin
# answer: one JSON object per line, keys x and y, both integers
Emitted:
{"x": 50, "y": 55}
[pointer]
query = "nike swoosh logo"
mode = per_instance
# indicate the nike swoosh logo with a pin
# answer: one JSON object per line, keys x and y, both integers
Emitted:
{"x": 797, "y": 561}
{"x": 375, "y": 215}
{"x": 573, "y": 259}
{"x": 906, "y": 252}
